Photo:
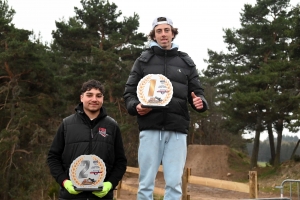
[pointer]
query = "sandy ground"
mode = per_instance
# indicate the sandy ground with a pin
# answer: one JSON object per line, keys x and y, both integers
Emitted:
{"x": 196, "y": 192}
{"x": 205, "y": 161}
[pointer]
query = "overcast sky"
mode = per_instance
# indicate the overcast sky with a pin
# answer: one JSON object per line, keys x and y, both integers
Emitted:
{"x": 199, "y": 23}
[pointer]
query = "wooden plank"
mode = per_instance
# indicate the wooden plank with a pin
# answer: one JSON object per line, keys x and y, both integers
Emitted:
{"x": 215, "y": 183}
{"x": 133, "y": 170}
{"x": 134, "y": 190}
{"x": 129, "y": 188}
{"x": 159, "y": 191}
{"x": 137, "y": 170}
{"x": 222, "y": 184}
{"x": 160, "y": 169}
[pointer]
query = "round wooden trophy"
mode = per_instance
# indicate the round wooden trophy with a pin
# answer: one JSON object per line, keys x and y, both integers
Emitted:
{"x": 155, "y": 91}
{"x": 87, "y": 173}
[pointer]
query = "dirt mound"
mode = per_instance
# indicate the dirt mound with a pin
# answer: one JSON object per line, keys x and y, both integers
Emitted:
{"x": 208, "y": 161}
{"x": 217, "y": 162}
{"x": 211, "y": 161}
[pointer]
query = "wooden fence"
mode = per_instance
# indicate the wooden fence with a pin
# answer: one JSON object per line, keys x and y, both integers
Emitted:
{"x": 187, "y": 178}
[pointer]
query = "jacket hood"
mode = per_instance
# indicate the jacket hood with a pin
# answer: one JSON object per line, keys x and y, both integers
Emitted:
{"x": 153, "y": 43}
{"x": 162, "y": 52}
{"x": 79, "y": 110}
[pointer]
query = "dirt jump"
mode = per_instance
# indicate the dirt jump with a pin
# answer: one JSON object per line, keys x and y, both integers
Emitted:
{"x": 209, "y": 161}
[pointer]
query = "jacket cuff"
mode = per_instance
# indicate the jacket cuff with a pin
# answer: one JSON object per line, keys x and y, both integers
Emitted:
{"x": 61, "y": 179}
{"x": 113, "y": 182}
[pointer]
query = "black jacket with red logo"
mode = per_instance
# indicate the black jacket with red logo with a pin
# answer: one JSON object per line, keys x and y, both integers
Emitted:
{"x": 78, "y": 135}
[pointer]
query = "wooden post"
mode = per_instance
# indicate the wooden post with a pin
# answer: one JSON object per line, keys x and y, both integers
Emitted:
{"x": 253, "y": 184}
{"x": 118, "y": 190}
{"x": 185, "y": 180}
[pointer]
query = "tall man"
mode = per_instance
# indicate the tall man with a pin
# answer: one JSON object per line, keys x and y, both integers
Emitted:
{"x": 163, "y": 131}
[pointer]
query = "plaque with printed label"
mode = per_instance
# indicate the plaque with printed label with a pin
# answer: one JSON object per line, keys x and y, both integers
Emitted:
{"x": 155, "y": 91}
{"x": 87, "y": 173}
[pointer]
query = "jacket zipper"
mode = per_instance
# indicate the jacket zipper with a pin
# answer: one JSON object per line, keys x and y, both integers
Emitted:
{"x": 165, "y": 74}
{"x": 90, "y": 142}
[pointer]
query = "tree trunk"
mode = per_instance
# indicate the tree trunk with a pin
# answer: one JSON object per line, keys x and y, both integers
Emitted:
{"x": 295, "y": 149}
{"x": 255, "y": 150}
{"x": 271, "y": 142}
{"x": 279, "y": 128}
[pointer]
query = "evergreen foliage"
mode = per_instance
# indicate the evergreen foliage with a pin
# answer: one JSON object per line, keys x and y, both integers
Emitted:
{"x": 253, "y": 87}
{"x": 95, "y": 44}
{"x": 26, "y": 113}
{"x": 257, "y": 79}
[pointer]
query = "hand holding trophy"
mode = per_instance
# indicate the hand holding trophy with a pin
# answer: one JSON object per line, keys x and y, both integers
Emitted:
{"x": 155, "y": 91}
{"x": 87, "y": 173}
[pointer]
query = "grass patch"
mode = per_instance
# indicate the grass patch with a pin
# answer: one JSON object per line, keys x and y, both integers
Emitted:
{"x": 262, "y": 164}
{"x": 266, "y": 172}
{"x": 238, "y": 160}
{"x": 157, "y": 197}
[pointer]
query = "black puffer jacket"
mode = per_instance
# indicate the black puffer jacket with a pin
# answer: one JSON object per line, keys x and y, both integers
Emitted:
{"x": 74, "y": 138}
{"x": 179, "y": 68}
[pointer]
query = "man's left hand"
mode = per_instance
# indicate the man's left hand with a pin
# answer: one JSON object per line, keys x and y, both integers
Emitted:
{"x": 197, "y": 101}
{"x": 106, "y": 188}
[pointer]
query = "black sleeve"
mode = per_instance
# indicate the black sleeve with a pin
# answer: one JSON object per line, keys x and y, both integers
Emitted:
{"x": 196, "y": 87}
{"x": 120, "y": 163}
{"x": 54, "y": 158}
{"x": 130, "y": 95}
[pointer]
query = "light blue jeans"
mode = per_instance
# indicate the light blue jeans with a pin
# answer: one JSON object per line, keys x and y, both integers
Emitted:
{"x": 168, "y": 147}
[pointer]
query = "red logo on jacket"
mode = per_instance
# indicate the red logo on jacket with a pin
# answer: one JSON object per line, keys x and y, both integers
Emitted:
{"x": 102, "y": 131}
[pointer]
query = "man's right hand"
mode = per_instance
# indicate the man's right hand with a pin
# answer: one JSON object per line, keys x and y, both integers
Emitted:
{"x": 69, "y": 187}
{"x": 141, "y": 110}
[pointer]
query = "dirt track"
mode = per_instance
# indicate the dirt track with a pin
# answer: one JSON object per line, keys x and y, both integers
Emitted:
{"x": 196, "y": 192}
{"x": 205, "y": 161}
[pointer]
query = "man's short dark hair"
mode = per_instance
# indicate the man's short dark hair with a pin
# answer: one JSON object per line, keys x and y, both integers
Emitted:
{"x": 90, "y": 84}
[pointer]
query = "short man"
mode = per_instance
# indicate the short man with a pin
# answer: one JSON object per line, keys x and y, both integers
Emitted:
{"x": 163, "y": 131}
{"x": 88, "y": 131}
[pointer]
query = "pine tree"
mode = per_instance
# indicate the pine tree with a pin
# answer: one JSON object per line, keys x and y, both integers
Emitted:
{"x": 95, "y": 44}
{"x": 26, "y": 83}
{"x": 255, "y": 79}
